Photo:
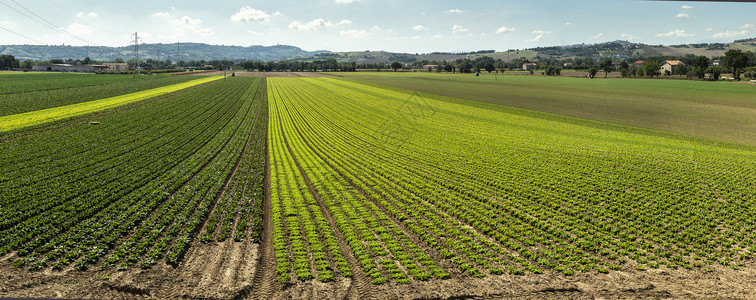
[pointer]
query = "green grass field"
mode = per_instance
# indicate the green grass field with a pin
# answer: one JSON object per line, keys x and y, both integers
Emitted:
{"x": 723, "y": 111}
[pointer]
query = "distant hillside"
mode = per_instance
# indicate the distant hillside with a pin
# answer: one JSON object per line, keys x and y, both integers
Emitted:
{"x": 188, "y": 51}
{"x": 199, "y": 51}
{"x": 616, "y": 49}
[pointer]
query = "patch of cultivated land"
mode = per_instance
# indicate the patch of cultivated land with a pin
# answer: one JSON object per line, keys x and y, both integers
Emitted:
{"x": 723, "y": 111}
{"x": 267, "y": 74}
{"x": 330, "y": 188}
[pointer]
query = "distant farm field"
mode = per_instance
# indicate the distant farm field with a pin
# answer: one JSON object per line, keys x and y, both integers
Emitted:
{"x": 378, "y": 186}
{"x": 723, "y": 111}
{"x": 31, "y": 92}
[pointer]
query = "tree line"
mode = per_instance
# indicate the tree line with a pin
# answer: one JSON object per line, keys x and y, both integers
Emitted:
{"x": 735, "y": 62}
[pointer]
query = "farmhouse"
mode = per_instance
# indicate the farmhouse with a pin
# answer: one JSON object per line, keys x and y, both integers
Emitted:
{"x": 432, "y": 67}
{"x": 529, "y": 66}
{"x": 68, "y": 68}
{"x": 671, "y": 66}
{"x": 639, "y": 63}
{"x": 716, "y": 62}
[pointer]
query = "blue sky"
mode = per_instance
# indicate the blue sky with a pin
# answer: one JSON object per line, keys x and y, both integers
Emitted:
{"x": 401, "y": 26}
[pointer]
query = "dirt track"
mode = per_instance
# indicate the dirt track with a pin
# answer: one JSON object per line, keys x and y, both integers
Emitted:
{"x": 220, "y": 271}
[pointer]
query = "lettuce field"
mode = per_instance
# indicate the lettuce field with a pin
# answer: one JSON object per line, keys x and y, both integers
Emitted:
{"x": 252, "y": 187}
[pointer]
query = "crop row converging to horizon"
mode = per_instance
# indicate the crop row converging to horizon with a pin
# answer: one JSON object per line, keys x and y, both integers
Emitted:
{"x": 370, "y": 181}
{"x": 422, "y": 188}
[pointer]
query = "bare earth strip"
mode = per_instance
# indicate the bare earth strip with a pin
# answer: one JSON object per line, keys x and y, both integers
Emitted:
{"x": 18, "y": 121}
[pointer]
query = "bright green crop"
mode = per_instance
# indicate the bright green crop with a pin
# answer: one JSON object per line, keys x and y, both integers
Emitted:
{"x": 17, "y": 121}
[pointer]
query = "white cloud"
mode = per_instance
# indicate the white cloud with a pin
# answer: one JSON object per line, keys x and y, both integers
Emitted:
{"x": 538, "y": 38}
{"x": 504, "y": 29}
{"x": 628, "y": 37}
{"x": 568, "y": 24}
{"x": 345, "y": 1}
{"x": 249, "y": 14}
{"x": 709, "y": 29}
{"x": 316, "y": 24}
{"x": 456, "y": 11}
{"x": 82, "y": 14}
{"x": 184, "y": 24}
{"x": 459, "y": 28}
{"x": 597, "y": 36}
{"x": 252, "y": 32}
{"x": 541, "y": 32}
{"x": 78, "y": 29}
{"x": 420, "y": 28}
{"x": 353, "y": 33}
{"x": 161, "y": 15}
{"x": 312, "y": 25}
{"x": 675, "y": 33}
{"x": 746, "y": 26}
{"x": 731, "y": 34}
{"x": 686, "y": 7}
{"x": 682, "y": 16}
{"x": 437, "y": 36}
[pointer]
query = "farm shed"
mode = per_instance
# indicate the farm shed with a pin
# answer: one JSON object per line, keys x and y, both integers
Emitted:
{"x": 116, "y": 67}
{"x": 69, "y": 68}
{"x": 529, "y": 66}
{"x": 672, "y": 66}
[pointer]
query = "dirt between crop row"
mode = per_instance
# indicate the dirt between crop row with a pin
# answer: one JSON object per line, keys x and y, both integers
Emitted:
{"x": 262, "y": 74}
{"x": 225, "y": 271}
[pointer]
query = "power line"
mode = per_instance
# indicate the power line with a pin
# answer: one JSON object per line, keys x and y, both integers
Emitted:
{"x": 80, "y": 19}
{"x": 53, "y": 27}
{"x": 43, "y": 19}
{"x": 21, "y": 35}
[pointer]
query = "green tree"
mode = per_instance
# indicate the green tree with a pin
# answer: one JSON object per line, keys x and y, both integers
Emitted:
{"x": 118, "y": 60}
{"x": 8, "y": 62}
{"x": 624, "y": 69}
{"x": 86, "y": 60}
{"x": 396, "y": 65}
{"x": 701, "y": 62}
{"x": 27, "y": 64}
{"x": 464, "y": 66}
{"x": 651, "y": 68}
{"x": 638, "y": 71}
{"x": 736, "y": 60}
{"x": 698, "y": 67}
{"x": 489, "y": 67}
{"x": 606, "y": 66}
{"x": 592, "y": 72}
{"x": 715, "y": 71}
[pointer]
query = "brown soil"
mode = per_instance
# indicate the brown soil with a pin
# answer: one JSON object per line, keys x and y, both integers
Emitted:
{"x": 261, "y": 74}
{"x": 225, "y": 271}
